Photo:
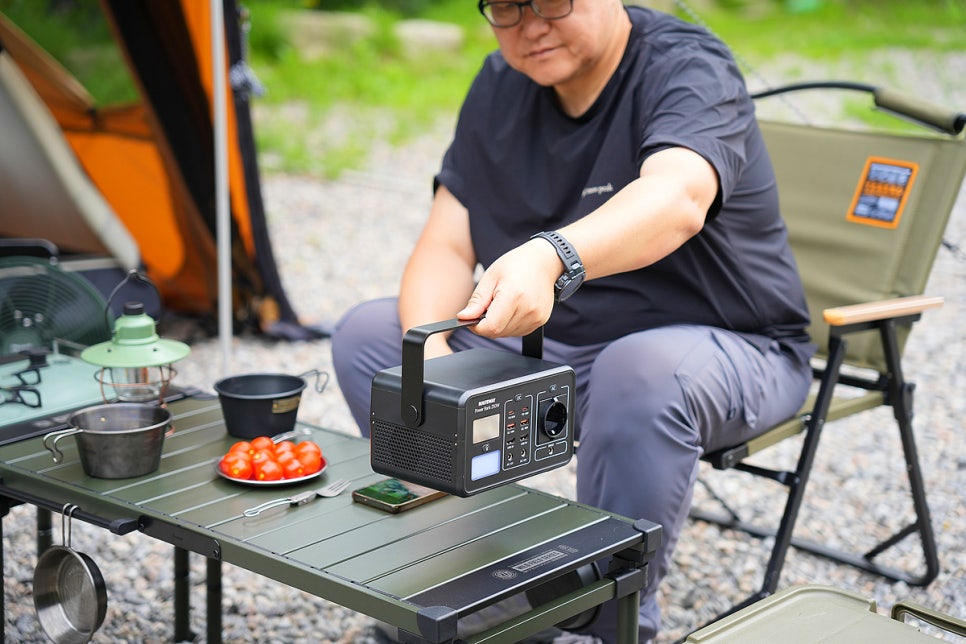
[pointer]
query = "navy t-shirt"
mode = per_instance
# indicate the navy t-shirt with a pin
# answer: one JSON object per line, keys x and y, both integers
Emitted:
{"x": 520, "y": 165}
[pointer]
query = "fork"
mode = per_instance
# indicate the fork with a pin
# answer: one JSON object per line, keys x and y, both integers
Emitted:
{"x": 334, "y": 488}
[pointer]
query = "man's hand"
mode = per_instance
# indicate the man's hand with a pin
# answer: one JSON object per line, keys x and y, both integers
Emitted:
{"x": 515, "y": 294}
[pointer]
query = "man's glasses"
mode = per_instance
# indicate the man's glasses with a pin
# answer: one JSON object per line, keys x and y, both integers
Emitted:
{"x": 509, "y": 14}
{"x": 21, "y": 395}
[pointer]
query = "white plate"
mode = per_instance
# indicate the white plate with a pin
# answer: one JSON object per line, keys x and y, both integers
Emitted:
{"x": 307, "y": 477}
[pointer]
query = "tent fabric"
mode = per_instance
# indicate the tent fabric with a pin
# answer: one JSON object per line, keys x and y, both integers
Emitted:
{"x": 153, "y": 161}
{"x": 46, "y": 193}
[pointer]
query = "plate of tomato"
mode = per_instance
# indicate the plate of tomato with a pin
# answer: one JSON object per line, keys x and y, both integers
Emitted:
{"x": 262, "y": 461}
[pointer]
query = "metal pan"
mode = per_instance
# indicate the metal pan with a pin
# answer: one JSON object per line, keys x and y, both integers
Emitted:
{"x": 70, "y": 596}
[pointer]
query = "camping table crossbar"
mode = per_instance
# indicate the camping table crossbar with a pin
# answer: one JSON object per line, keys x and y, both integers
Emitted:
{"x": 420, "y": 570}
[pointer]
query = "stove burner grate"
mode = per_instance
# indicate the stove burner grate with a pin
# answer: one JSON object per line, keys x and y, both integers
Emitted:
{"x": 26, "y": 395}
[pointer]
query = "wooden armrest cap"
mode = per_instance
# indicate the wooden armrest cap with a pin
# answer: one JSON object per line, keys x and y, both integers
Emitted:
{"x": 881, "y": 310}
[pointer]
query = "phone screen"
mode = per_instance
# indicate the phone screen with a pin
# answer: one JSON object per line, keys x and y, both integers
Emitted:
{"x": 394, "y": 495}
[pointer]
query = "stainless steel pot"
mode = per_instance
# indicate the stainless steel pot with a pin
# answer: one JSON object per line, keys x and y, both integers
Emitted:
{"x": 70, "y": 596}
{"x": 116, "y": 440}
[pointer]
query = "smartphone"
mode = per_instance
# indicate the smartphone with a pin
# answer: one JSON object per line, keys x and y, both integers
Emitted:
{"x": 393, "y": 495}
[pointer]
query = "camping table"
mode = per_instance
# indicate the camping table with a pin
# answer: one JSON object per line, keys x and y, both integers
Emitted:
{"x": 420, "y": 570}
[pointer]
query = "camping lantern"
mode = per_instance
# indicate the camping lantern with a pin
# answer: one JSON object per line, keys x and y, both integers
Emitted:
{"x": 136, "y": 363}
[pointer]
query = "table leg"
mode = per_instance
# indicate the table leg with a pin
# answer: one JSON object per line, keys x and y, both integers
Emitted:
{"x": 45, "y": 537}
{"x": 627, "y": 617}
{"x": 214, "y": 600}
{"x": 4, "y": 510}
{"x": 182, "y": 596}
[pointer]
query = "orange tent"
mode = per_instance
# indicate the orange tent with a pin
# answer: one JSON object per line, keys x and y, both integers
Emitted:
{"x": 140, "y": 178}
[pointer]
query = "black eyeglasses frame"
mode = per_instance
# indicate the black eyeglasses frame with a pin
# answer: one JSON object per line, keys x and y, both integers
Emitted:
{"x": 483, "y": 4}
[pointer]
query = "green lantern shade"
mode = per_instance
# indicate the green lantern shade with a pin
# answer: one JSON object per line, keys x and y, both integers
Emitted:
{"x": 135, "y": 343}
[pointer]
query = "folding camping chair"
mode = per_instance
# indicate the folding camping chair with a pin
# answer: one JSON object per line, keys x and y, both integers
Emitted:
{"x": 866, "y": 213}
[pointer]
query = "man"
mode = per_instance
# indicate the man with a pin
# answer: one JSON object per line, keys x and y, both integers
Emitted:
{"x": 624, "y": 139}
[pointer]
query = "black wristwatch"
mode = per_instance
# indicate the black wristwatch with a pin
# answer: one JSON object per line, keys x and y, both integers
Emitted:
{"x": 573, "y": 275}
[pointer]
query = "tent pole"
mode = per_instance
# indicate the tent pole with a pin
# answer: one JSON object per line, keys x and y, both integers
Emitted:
{"x": 222, "y": 214}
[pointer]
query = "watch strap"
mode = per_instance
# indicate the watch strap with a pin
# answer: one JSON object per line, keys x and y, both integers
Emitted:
{"x": 573, "y": 267}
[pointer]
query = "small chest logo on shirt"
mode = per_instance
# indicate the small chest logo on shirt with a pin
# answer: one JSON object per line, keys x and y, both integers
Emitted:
{"x": 597, "y": 190}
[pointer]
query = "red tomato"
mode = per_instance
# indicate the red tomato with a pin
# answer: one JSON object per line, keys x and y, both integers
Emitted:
{"x": 284, "y": 446}
{"x": 263, "y": 442}
{"x": 236, "y": 466}
{"x": 241, "y": 446}
{"x": 311, "y": 462}
{"x": 292, "y": 468}
{"x": 262, "y": 455}
{"x": 238, "y": 456}
{"x": 307, "y": 446}
{"x": 268, "y": 471}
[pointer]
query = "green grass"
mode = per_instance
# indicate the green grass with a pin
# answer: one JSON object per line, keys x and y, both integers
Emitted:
{"x": 388, "y": 94}
{"x": 838, "y": 28}
{"x": 321, "y": 116}
{"x": 79, "y": 38}
{"x": 399, "y": 98}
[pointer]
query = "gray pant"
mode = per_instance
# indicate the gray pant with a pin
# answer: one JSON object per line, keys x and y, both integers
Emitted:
{"x": 648, "y": 405}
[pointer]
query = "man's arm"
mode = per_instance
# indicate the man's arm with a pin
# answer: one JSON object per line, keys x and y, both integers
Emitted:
{"x": 644, "y": 222}
{"x": 650, "y": 218}
{"x": 438, "y": 277}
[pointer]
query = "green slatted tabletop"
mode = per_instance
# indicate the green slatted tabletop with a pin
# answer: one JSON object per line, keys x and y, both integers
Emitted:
{"x": 419, "y": 570}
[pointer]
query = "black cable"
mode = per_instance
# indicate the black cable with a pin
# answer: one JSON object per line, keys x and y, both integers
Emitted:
{"x": 847, "y": 85}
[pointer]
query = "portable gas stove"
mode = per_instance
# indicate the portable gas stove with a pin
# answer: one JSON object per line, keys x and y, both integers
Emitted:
{"x": 39, "y": 392}
{"x": 37, "y": 399}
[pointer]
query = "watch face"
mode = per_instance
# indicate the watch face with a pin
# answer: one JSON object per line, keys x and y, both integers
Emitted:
{"x": 568, "y": 284}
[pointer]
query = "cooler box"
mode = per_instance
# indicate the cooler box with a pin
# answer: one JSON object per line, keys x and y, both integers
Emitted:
{"x": 806, "y": 615}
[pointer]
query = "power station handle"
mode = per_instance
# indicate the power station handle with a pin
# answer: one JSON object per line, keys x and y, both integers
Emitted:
{"x": 413, "y": 355}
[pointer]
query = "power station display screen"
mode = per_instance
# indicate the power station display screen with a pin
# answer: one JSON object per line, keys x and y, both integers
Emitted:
{"x": 485, "y": 465}
{"x": 486, "y": 428}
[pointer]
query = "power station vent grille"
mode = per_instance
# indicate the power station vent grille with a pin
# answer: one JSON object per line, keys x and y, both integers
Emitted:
{"x": 413, "y": 451}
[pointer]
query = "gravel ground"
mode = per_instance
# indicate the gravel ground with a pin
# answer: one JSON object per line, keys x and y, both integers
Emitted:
{"x": 341, "y": 242}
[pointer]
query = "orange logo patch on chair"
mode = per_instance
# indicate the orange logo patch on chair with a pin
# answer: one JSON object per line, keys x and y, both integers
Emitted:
{"x": 882, "y": 192}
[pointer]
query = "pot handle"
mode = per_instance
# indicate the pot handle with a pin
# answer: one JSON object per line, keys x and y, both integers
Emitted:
{"x": 67, "y": 513}
{"x": 284, "y": 436}
{"x": 321, "y": 379}
{"x": 170, "y": 431}
{"x": 52, "y": 448}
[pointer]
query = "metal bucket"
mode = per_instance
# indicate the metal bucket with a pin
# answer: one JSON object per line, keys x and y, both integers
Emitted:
{"x": 263, "y": 404}
{"x": 116, "y": 440}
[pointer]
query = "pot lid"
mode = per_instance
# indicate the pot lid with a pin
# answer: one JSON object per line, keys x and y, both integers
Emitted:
{"x": 135, "y": 343}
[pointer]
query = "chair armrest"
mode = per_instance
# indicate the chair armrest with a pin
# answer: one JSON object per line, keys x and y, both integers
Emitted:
{"x": 881, "y": 310}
